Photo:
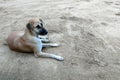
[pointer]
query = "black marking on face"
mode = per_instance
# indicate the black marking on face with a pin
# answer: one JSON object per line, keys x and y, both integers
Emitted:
{"x": 41, "y": 30}
{"x": 38, "y": 26}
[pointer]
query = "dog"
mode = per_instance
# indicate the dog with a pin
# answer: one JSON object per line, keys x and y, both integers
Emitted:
{"x": 30, "y": 41}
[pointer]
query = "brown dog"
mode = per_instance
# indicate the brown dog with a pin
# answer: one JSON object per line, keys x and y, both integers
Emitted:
{"x": 29, "y": 41}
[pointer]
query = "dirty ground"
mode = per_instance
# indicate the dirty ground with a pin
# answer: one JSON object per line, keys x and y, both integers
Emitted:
{"x": 88, "y": 30}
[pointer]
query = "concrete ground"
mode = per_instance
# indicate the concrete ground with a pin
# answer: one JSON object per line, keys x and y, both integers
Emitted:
{"x": 88, "y": 30}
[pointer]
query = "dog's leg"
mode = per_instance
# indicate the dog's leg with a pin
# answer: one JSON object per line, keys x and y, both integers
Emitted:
{"x": 45, "y": 40}
{"x": 50, "y": 44}
{"x": 46, "y": 55}
{"x": 43, "y": 37}
{"x": 38, "y": 51}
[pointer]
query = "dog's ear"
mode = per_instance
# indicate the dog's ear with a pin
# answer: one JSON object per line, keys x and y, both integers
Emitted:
{"x": 41, "y": 22}
{"x": 29, "y": 26}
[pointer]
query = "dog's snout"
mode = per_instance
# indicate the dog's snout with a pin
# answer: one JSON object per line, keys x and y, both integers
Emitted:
{"x": 46, "y": 32}
{"x": 43, "y": 31}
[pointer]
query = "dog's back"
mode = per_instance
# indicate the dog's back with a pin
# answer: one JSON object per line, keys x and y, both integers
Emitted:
{"x": 15, "y": 42}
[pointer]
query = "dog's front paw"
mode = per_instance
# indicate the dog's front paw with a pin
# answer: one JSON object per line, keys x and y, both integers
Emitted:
{"x": 45, "y": 40}
{"x": 55, "y": 44}
{"x": 59, "y": 58}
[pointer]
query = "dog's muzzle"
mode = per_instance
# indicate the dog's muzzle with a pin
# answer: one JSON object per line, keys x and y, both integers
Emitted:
{"x": 43, "y": 31}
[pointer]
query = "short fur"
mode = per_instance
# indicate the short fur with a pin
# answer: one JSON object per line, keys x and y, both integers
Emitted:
{"x": 29, "y": 41}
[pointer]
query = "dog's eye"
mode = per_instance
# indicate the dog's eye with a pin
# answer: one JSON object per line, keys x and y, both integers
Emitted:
{"x": 38, "y": 26}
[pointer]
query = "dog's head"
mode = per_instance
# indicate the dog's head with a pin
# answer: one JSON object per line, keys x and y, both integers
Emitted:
{"x": 35, "y": 27}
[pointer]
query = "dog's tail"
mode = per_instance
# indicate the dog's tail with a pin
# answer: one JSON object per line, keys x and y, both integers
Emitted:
{"x": 5, "y": 42}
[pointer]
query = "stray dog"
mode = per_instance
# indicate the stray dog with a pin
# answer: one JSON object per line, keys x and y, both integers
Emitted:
{"x": 29, "y": 41}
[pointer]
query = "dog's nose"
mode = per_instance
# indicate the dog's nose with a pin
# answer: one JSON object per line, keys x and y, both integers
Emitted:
{"x": 46, "y": 32}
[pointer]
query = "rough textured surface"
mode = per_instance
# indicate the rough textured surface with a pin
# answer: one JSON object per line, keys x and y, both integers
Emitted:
{"x": 88, "y": 30}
